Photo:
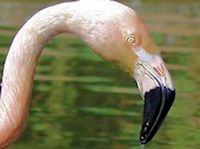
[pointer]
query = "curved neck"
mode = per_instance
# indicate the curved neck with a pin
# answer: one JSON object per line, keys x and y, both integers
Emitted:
{"x": 22, "y": 58}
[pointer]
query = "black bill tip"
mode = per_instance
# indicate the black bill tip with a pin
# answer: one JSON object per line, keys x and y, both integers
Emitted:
{"x": 157, "y": 104}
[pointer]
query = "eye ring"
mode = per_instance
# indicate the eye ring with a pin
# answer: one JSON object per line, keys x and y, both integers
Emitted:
{"x": 131, "y": 38}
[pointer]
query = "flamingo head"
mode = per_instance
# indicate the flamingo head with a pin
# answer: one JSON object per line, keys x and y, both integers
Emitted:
{"x": 121, "y": 37}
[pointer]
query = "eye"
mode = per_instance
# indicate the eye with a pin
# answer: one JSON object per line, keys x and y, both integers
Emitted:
{"x": 131, "y": 38}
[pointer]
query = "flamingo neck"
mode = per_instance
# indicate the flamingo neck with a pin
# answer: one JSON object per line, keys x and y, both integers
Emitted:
{"x": 21, "y": 61}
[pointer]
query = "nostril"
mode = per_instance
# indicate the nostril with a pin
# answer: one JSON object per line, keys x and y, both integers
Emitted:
{"x": 160, "y": 70}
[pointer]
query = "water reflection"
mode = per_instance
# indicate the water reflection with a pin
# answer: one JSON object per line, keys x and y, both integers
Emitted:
{"x": 80, "y": 101}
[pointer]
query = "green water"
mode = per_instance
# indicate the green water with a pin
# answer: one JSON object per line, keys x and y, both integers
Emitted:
{"x": 81, "y": 102}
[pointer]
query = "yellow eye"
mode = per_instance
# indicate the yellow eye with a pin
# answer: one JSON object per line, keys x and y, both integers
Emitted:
{"x": 131, "y": 38}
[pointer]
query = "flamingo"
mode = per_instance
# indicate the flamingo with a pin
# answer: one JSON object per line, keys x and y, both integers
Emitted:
{"x": 114, "y": 31}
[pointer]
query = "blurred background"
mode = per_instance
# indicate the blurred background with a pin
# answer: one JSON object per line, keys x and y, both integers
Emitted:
{"x": 81, "y": 102}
